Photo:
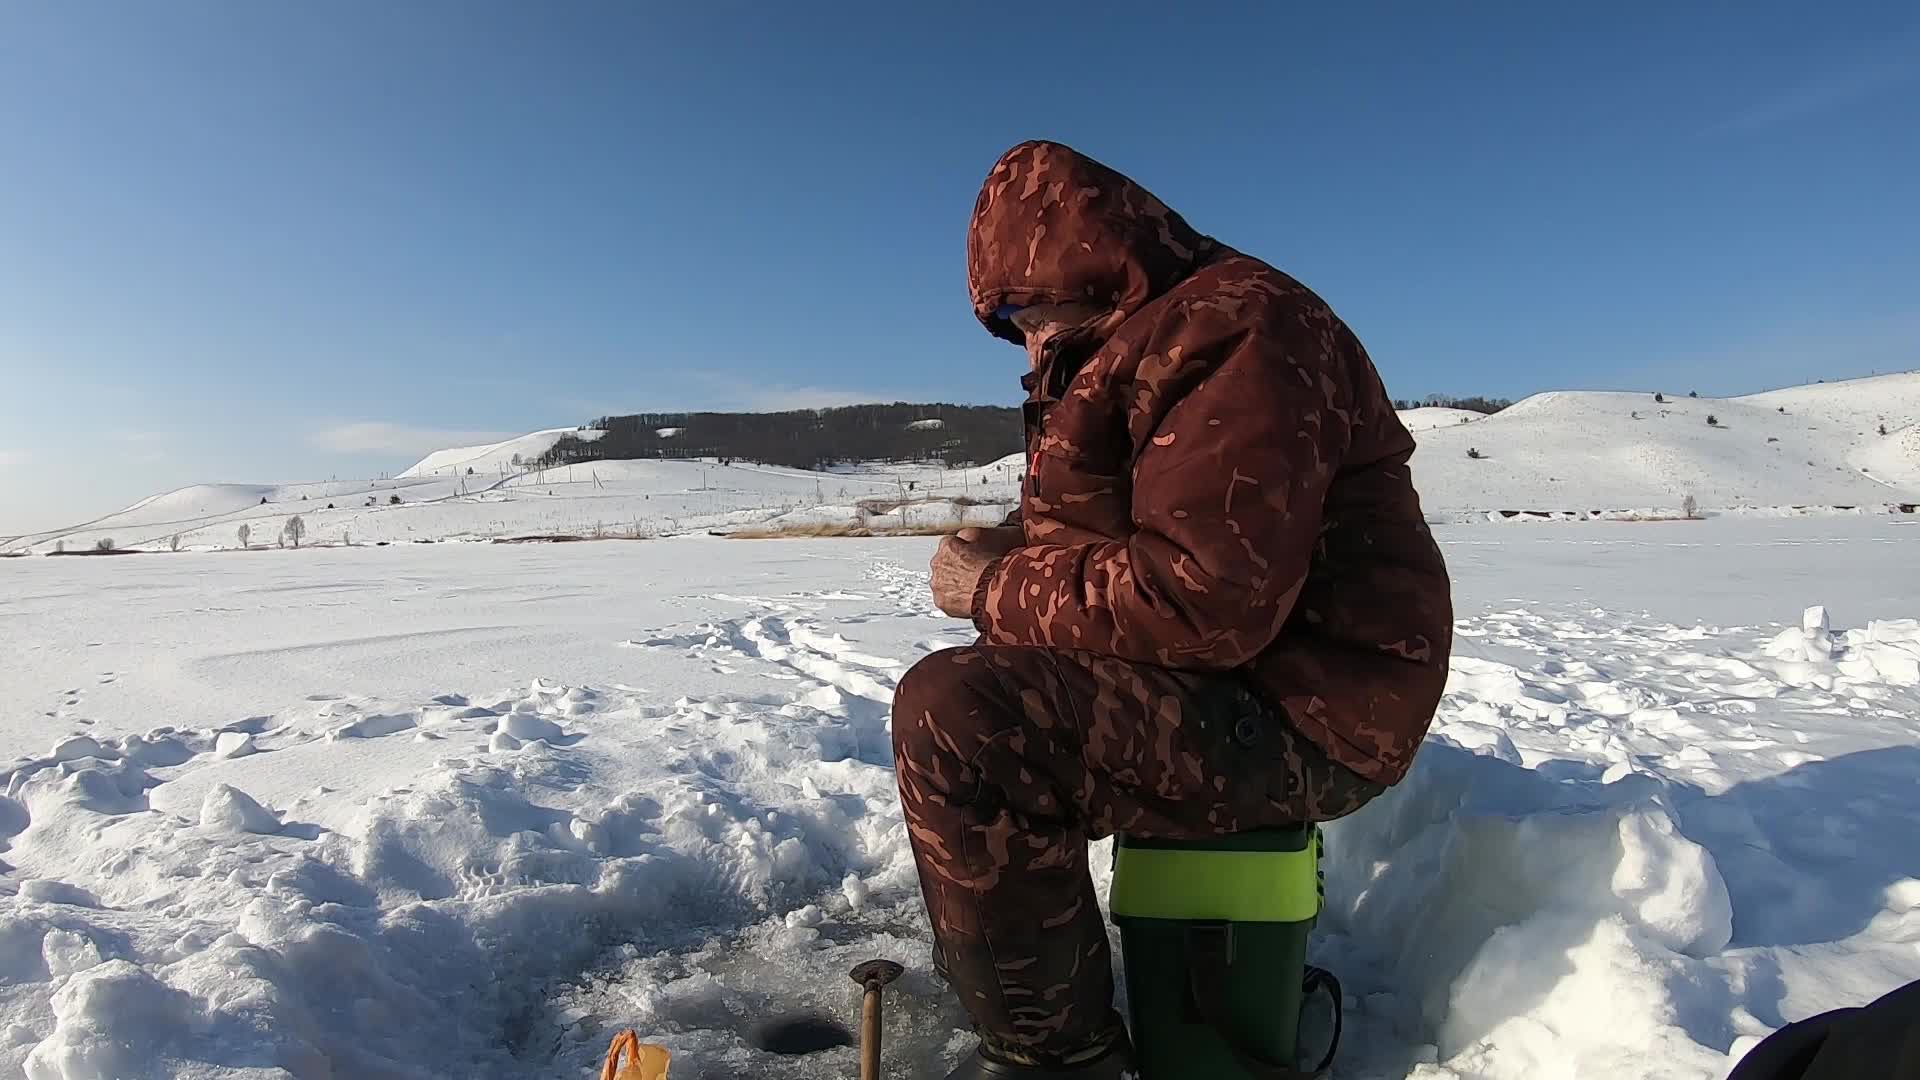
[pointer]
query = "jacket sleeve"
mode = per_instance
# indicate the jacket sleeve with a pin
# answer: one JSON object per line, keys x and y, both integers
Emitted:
{"x": 1227, "y": 499}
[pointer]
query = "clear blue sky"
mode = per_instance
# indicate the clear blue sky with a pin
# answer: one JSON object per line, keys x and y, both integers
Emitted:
{"x": 277, "y": 241}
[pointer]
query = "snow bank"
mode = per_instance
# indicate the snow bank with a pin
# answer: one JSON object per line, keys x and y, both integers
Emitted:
{"x": 1532, "y": 926}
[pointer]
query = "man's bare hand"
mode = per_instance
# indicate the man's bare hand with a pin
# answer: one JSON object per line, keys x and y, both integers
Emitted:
{"x": 960, "y": 561}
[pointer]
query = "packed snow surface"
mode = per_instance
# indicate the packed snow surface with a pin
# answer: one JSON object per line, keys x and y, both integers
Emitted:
{"x": 465, "y": 810}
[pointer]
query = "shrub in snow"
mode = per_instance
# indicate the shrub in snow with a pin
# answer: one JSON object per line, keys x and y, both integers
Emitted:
{"x": 1693, "y": 393}
{"x": 1712, "y": 420}
{"x": 1661, "y": 398}
{"x": 1883, "y": 429}
{"x": 1474, "y": 453}
{"x": 105, "y": 543}
{"x": 393, "y": 500}
{"x": 1783, "y": 408}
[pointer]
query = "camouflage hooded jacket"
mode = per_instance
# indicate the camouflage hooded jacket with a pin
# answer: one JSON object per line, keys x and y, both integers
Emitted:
{"x": 1216, "y": 479}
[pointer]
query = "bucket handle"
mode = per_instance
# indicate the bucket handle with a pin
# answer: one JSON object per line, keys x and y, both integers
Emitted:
{"x": 1209, "y": 954}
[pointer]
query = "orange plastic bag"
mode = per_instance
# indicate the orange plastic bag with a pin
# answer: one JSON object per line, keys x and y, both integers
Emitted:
{"x": 649, "y": 1061}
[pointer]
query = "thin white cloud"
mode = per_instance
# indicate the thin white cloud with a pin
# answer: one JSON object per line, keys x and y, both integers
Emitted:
{"x": 380, "y": 437}
{"x": 12, "y": 457}
{"x": 785, "y": 398}
{"x": 732, "y": 392}
{"x": 1893, "y": 64}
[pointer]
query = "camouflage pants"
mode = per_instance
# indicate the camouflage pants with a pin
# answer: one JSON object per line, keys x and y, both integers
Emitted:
{"x": 1010, "y": 759}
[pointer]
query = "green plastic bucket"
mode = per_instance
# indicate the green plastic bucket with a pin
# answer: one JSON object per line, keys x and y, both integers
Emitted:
{"x": 1216, "y": 926}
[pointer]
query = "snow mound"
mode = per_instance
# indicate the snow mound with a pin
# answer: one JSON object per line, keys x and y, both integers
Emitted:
{"x": 1530, "y": 925}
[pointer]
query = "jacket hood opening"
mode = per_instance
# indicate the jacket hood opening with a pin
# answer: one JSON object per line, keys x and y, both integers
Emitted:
{"x": 1052, "y": 225}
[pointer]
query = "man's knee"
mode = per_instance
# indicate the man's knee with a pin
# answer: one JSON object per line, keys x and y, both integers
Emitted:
{"x": 938, "y": 699}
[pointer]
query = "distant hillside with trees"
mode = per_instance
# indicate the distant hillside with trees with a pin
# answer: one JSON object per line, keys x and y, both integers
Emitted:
{"x": 1471, "y": 404}
{"x": 954, "y": 435}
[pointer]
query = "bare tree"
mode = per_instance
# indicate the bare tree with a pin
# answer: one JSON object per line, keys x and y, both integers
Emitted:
{"x": 296, "y": 529}
{"x": 173, "y": 542}
{"x": 105, "y": 543}
{"x": 246, "y": 535}
{"x": 1690, "y": 508}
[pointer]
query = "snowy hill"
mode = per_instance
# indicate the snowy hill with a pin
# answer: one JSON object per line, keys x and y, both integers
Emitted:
{"x": 1812, "y": 446}
{"x": 495, "y": 459}
{"x": 1565, "y": 450}
{"x": 1428, "y": 417}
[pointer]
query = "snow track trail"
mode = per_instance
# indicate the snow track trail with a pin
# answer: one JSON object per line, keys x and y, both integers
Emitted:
{"x": 462, "y": 811}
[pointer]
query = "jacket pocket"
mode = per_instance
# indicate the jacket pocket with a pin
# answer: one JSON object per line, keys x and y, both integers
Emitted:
{"x": 1078, "y": 495}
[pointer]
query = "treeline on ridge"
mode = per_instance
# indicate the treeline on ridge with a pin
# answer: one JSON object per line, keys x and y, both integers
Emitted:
{"x": 954, "y": 435}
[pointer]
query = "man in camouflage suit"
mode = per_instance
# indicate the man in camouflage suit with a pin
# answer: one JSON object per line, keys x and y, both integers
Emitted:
{"x": 1219, "y": 608}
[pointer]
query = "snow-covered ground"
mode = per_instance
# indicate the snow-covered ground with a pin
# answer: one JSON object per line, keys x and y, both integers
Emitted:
{"x": 461, "y": 810}
{"x": 600, "y": 499}
{"x": 1624, "y": 455}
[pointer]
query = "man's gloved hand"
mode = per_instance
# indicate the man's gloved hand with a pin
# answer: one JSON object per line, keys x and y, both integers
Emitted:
{"x": 960, "y": 561}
